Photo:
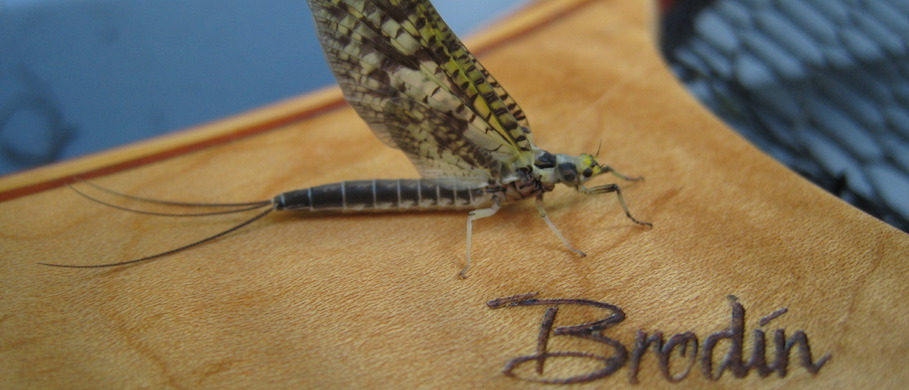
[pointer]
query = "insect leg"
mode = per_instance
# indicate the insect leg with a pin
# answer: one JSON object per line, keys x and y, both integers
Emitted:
{"x": 539, "y": 203}
{"x": 607, "y": 168}
{"x": 618, "y": 193}
{"x": 472, "y": 216}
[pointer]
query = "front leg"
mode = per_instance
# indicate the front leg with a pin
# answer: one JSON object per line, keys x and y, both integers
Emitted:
{"x": 607, "y": 168}
{"x": 472, "y": 216}
{"x": 618, "y": 193}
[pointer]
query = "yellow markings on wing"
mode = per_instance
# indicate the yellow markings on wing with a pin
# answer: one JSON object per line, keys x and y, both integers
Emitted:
{"x": 420, "y": 90}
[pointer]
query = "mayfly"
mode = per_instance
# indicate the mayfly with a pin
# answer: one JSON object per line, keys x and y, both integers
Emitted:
{"x": 419, "y": 89}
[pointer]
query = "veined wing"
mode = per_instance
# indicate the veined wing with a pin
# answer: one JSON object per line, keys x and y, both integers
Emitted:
{"x": 420, "y": 90}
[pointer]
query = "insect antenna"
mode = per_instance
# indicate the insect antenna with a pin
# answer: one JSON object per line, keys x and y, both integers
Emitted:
{"x": 236, "y": 208}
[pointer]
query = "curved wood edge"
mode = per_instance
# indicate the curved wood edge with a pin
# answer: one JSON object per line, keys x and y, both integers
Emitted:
{"x": 531, "y": 17}
{"x": 170, "y": 145}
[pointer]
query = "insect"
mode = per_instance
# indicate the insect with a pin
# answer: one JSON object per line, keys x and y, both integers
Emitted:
{"x": 420, "y": 90}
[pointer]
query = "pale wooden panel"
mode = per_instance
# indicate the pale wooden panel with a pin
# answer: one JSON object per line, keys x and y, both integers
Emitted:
{"x": 374, "y": 301}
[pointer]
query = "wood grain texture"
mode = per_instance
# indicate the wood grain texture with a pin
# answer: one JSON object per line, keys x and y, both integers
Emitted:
{"x": 374, "y": 300}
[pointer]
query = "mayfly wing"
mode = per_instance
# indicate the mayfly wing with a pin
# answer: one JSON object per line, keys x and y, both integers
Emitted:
{"x": 420, "y": 90}
{"x": 419, "y": 130}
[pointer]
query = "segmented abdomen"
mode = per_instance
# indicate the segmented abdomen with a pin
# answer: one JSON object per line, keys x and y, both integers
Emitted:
{"x": 381, "y": 195}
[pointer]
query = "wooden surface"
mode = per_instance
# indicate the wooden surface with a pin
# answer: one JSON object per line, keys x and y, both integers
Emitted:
{"x": 374, "y": 301}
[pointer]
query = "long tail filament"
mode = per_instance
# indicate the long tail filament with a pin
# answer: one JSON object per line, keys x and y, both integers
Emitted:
{"x": 234, "y": 208}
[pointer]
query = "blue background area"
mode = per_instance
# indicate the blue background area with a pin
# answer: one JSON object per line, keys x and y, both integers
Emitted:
{"x": 78, "y": 76}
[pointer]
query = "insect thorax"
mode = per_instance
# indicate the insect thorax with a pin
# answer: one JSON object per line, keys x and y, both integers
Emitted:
{"x": 547, "y": 170}
{"x": 528, "y": 186}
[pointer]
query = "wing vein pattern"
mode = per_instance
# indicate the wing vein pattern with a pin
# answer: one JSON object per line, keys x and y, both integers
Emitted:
{"x": 421, "y": 91}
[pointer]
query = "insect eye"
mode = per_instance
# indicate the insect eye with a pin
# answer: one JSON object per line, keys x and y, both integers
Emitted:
{"x": 587, "y": 172}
